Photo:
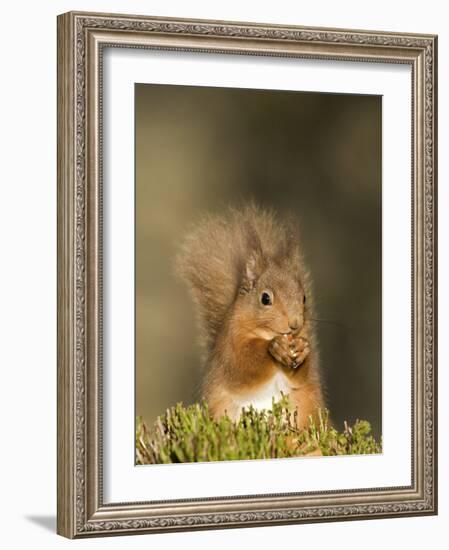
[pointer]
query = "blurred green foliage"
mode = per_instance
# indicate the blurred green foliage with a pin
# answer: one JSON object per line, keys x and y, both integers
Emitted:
{"x": 316, "y": 156}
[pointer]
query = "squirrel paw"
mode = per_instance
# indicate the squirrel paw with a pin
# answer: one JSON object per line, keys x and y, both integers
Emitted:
{"x": 290, "y": 351}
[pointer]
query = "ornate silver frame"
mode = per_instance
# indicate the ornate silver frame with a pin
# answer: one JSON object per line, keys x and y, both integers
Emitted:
{"x": 81, "y": 39}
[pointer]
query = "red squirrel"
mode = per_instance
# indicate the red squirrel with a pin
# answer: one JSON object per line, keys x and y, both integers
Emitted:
{"x": 247, "y": 277}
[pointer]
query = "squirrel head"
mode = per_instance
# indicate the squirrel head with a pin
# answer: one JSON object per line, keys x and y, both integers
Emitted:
{"x": 272, "y": 299}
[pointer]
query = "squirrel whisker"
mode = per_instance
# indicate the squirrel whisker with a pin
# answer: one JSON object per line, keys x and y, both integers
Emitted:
{"x": 328, "y": 321}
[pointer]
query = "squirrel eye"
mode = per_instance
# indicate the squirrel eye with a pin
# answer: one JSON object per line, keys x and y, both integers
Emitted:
{"x": 266, "y": 299}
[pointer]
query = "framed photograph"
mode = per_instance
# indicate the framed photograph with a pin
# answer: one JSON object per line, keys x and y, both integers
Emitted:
{"x": 246, "y": 274}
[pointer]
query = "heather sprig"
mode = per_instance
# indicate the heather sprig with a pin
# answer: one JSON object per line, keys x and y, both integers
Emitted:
{"x": 191, "y": 434}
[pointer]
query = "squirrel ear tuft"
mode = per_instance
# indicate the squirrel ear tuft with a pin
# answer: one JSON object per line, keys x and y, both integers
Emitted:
{"x": 252, "y": 271}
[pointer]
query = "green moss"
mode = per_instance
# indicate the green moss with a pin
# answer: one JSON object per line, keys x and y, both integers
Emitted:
{"x": 190, "y": 434}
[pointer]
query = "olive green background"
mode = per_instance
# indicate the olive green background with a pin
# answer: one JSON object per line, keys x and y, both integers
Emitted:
{"x": 317, "y": 155}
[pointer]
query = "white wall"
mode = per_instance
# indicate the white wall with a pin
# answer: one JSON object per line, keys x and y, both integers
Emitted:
{"x": 28, "y": 269}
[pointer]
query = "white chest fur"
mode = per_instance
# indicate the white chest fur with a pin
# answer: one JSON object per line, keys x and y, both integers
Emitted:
{"x": 263, "y": 398}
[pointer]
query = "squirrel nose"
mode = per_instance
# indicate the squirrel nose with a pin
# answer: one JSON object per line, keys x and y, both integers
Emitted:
{"x": 294, "y": 324}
